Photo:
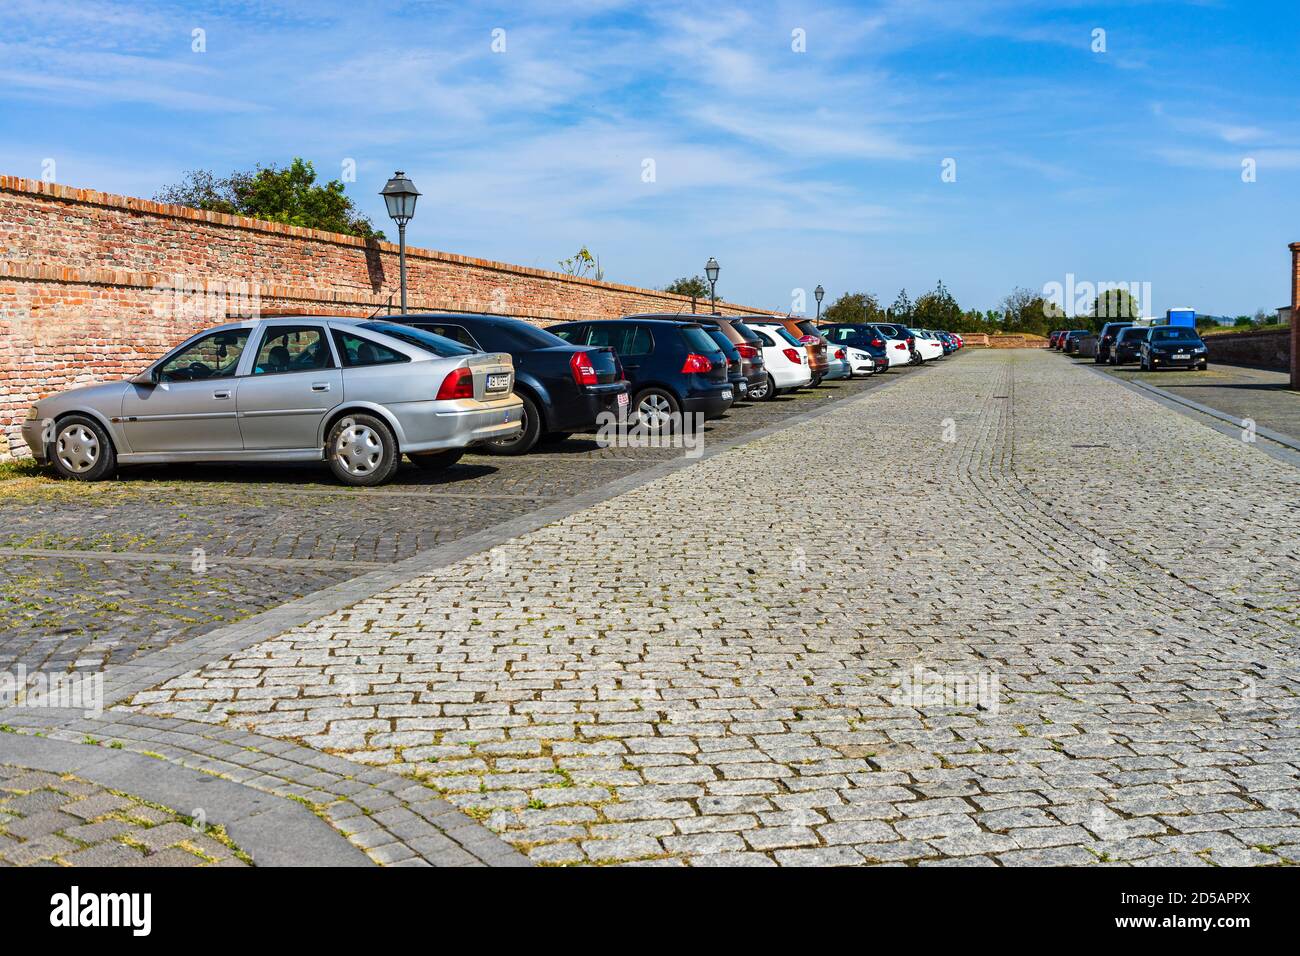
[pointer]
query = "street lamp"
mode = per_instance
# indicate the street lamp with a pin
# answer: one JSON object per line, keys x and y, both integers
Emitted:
{"x": 818, "y": 294}
{"x": 711, "y": 269}
{"x": 399, "y": 195}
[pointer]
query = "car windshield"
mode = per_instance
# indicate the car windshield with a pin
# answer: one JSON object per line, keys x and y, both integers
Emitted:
{"x": 697, "y": 340}
{"x": 1174, "y": 335}
{"x": 437, "y": 344}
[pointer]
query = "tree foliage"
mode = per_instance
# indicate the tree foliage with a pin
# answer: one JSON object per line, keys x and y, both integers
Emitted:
{"x": 583, "y": 263}
{"x": 854, "y": 307}
{"x": 287, "y": 194}
{"x": 697, "y": 286}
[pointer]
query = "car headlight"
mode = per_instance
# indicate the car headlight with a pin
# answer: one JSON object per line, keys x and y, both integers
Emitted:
{"x": 32, "y": 414}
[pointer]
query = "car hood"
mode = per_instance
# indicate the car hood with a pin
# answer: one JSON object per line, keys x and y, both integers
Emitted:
{"x": 105, "y": 398}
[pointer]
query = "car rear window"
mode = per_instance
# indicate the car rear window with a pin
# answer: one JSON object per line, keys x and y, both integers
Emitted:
{"x": 748, "y": 334}
{"x": 1130, "y": 334}
{"x": 720, "y": 339}
{"x": 442, "y": 347}
{"x": 522, "y": 336}
{"x": 697, "y": 340}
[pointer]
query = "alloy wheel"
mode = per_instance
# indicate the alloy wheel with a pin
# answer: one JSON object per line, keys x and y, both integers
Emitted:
{"x": 655, "y": 411}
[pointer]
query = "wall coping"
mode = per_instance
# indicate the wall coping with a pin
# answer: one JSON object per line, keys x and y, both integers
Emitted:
{"x": 93, "y": 197}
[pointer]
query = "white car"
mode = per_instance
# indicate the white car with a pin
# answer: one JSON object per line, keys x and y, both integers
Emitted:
{"x": 785, "y": 358}
{"x": 928, "y": 344}
{"x": 896, "y": 348}
{"x": 860, "y": 361}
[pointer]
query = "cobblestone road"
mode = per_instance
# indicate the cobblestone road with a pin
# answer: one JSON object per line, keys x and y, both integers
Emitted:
{"x": 1077, "y": 644}
{"x": 57, "y": 819}
{"x": 71, "y": 600}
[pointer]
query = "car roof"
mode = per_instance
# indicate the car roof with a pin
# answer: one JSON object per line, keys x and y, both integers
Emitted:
{"x": 484, "y": 317}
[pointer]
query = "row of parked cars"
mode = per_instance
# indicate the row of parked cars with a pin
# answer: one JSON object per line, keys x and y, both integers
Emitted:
{"x": 1153, "y": 347}
{"x": 361, "y": 393}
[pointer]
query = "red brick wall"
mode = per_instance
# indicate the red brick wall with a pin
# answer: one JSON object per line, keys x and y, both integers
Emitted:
{"x": 1264, "y": 349}
{"x": 94, "y": 286}
{"x": 1294, "y": 344}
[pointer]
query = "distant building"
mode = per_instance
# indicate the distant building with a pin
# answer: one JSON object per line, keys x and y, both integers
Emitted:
{"x": 1284, "y": 315}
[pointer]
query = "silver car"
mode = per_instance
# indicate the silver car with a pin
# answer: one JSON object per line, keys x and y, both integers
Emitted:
{"x": 355, "y": 393}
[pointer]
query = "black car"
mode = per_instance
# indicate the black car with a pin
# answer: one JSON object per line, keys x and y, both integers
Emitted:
{"x": 1071, "y": 340}
{"x": 672, "y": 366}
{"x": 865, "y": 338}
{"x": 564, "y": 387}
{"x": 735, "y": 371}
{"x": 1127, "y": 345}
{"x": 1169, "y": 346}
{"x": 1106, "y": 339}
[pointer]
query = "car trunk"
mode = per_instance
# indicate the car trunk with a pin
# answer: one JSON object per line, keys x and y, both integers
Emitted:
{"x": 494, "y": 375}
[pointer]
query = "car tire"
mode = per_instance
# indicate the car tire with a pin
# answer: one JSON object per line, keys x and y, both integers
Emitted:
{"x": 82, "y": 450}
{"x": 655, "y": 405}
{"x": 437, "y": 460}
{"x": 763, "y": 393}
{"x": 522, "y": 443}
{"x": 362, "y": 450}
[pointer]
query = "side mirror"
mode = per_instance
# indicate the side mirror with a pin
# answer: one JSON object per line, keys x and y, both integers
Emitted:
{"x": 147, "y": 378}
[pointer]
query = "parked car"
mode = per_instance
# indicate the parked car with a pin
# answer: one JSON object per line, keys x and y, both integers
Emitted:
{"x": 784, "y": 357}
{"x": 1169, "y": 346}
{"x": 563, "y": 387}
{"x": 357, "y": 394}
{"x": 949, "y": 343}
{"x": 672, "y": 367}
{"x": 1070, "y": 343}
{"x": 1106, "y": 339}
{"x": 837, "y": 362}
{"x": 1127, "y": 345}
{"x": 739, "y": 334}
{"x": 928, "y": 345}
{"x": 895, "y": 331}
{"x": 862, "y": 343}
{"x": 734, "y": 373}
{"x": 1054, "y": 340}
{"x": 806, "y": 332}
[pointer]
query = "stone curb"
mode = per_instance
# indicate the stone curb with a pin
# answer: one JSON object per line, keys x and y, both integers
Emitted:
{"x": 274, "y": 831}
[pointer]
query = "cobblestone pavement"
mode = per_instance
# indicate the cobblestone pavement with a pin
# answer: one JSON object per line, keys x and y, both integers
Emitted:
{"x": 69, "y": 599}
{"x": 1263, "y": 396}
{"x": 50, "y": 819}
{"x": 1076, "y": 646}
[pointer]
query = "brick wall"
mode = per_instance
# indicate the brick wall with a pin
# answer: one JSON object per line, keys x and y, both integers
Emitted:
{"x": 1004, "y": 340}
{"x": 1294, "y": 343}
{"x": 1267, "y": 349}
{"x": 94, "y": 286}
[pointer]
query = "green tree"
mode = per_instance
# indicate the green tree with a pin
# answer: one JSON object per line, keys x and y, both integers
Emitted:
{"x": 936, "y": 309}
{"x": 901, "y": 310}
{"x": 854, "y": 307}
{"x": 1114, "y": 305}
{"x": 697, "y": 286}
{"x": 1028, "y": 312}
{"x": 287, "y": 194}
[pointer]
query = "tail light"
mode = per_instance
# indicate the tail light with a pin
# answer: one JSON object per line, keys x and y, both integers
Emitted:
{"x": 459, "y": 383}
{"x": 901, "y": 347}
{"x": 792, "y": 355}
{"x": 747, "y": 351}
{"x": 839, "y": 354}
{"x": 808, "y": 339}
{"x": 584, "y": 373}
{"x": 877, "y": 343}
{"x": 696, "y": 363}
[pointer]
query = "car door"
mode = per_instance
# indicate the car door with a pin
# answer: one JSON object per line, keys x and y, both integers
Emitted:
{"x": 190, "y": 407}
{"x": 292, "y": 384}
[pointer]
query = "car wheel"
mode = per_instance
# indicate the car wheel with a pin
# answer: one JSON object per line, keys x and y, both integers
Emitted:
{"x": 656, "y": 408}
{"x": 761, "y": 393}
{"x": 531, "y": 422}
{"x": 82, "y": 450}
{"x": 437, "y": 460}
{"x": 362, "y": 450}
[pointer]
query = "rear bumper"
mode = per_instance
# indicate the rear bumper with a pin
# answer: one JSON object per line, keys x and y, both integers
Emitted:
{"x": 428, "y": 426}
{"x": 797, "y": 377}
{"x": 584, "y": 412}
{"x": 709, "y": 404}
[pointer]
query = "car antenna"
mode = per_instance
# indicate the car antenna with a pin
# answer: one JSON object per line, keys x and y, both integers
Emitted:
{"x": 389, "y": 304}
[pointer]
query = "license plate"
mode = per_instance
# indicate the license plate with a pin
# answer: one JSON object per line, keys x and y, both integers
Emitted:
{"x": 498, "y": 382}
{"x": 744, "y": 388}
{"x": 622, "y": 399}
{"x": 1182, "y": 355}
{"x": 726, "y": 393}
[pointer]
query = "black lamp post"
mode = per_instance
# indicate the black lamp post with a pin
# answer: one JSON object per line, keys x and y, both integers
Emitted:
{"x": 711, "y": 270}
{"x": 818, "y": 294}
{"x": 399, "y": 195}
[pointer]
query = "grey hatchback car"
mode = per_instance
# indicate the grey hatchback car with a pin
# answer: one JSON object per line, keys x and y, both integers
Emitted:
{"x": 355, "y": 393}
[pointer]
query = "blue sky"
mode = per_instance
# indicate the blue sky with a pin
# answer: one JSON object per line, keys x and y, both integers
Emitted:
{"x": 792, "y": 168}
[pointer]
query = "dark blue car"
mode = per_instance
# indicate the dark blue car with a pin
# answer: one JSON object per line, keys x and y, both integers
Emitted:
{"x": 672, "y": 367}
{"x": 563, "y": 386}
